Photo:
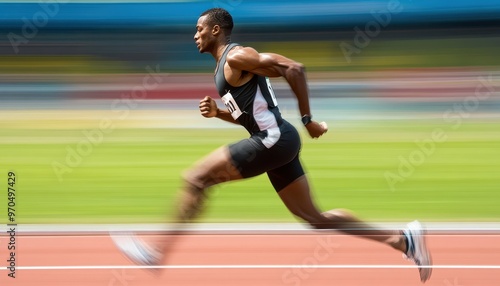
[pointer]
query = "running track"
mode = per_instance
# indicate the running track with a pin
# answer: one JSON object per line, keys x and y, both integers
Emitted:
{"x": 253, "y": 259}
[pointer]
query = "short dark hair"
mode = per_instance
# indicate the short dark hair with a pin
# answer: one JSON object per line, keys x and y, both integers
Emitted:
{"x": 221, "y": 17}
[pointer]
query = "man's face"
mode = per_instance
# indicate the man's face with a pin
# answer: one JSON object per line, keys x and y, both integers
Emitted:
{"x": 203, "y": 36}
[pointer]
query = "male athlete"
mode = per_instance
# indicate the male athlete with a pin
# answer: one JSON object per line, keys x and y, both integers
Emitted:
{"x": 241, "y": 78}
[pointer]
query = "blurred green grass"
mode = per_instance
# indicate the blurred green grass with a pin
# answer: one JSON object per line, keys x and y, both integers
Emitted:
{"x": 134, "y": 174}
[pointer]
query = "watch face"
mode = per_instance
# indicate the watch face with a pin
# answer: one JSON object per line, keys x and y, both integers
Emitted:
{"x": 306, "y": 119}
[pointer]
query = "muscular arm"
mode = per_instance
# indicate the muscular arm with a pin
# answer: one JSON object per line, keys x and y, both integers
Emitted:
{"x": 274, "y": 65}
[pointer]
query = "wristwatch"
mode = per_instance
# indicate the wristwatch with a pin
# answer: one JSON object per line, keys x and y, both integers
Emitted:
{"x": 306, "y": 119}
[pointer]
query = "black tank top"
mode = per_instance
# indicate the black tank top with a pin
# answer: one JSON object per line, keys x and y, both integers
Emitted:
{"x": 253, "y": 104}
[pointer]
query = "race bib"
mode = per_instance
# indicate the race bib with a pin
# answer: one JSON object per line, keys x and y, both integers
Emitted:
{"x": 231, "y": 105}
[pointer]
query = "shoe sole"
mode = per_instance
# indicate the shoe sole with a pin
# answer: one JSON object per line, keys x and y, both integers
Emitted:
{"x": 424, "y": 254}
{"x": 129, "y": 246}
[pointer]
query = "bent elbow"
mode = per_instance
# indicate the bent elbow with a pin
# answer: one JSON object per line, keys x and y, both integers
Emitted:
{"x": 297, "y": 69}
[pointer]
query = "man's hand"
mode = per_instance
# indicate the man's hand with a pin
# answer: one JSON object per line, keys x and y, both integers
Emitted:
{"x": 316, "y": 129}
{"x": 208, "y": 107}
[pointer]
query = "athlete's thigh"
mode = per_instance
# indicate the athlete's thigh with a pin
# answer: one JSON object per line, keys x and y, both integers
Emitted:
{"x": 298, "y": 199}
{"x": 286, "y": 174}
{"x": 252, "y": 158}
{"x": 217, "y": 167}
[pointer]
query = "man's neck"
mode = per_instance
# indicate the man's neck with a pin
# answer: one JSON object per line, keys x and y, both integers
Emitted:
{"x": 220, "y": 48}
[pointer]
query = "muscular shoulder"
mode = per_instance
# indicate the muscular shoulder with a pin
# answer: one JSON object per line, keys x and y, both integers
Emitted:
{"x": 248, "y": 59}
{"x": 242, "y": 58}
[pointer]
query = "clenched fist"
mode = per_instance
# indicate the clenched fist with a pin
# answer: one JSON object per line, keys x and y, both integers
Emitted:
{"x": 208, "y": 107}
{"x": 316, "y": 129}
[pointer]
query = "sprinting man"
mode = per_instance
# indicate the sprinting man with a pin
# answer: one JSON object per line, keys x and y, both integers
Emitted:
{"x": 242, "y": 80}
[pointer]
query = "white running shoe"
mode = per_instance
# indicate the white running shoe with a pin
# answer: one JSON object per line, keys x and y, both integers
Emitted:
{"x": 135, "y": 249}
{"x": 417, "y": 250}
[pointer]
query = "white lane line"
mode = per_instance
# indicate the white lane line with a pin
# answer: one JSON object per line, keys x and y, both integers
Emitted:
{"x": 202, "y": 235}
{"x": 271, "y": 266}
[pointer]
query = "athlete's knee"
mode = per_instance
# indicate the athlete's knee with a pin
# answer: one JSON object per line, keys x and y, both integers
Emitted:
{"x": 200, "y": 178}
{"x": 203, "y": 177}
{"x": 193, "y": 180}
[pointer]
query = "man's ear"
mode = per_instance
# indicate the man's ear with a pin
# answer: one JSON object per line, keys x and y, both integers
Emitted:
{"x": 216, "y": 30}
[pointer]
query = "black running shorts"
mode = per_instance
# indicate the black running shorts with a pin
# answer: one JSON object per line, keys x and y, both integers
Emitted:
{"x": 281, "y": 161}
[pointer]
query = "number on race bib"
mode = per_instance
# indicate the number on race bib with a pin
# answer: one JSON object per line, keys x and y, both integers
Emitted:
{"x": 231, "y": 105}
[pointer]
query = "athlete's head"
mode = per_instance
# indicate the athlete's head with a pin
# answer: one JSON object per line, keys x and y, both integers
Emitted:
{"x": 213, "y": 24}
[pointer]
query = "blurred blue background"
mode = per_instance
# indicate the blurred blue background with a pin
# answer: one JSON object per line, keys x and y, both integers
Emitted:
{"x": 124, "y": 36}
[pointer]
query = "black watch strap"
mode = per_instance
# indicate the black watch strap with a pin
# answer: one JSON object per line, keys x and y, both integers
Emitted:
{"x": 306, "y": 119}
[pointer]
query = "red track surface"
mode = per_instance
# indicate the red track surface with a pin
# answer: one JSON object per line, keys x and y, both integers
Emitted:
{"x": 305, "y": 250}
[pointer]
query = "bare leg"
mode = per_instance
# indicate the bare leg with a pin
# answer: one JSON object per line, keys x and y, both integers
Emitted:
{"x": 213, "y": 169}
{"x": 297, "y": 198}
